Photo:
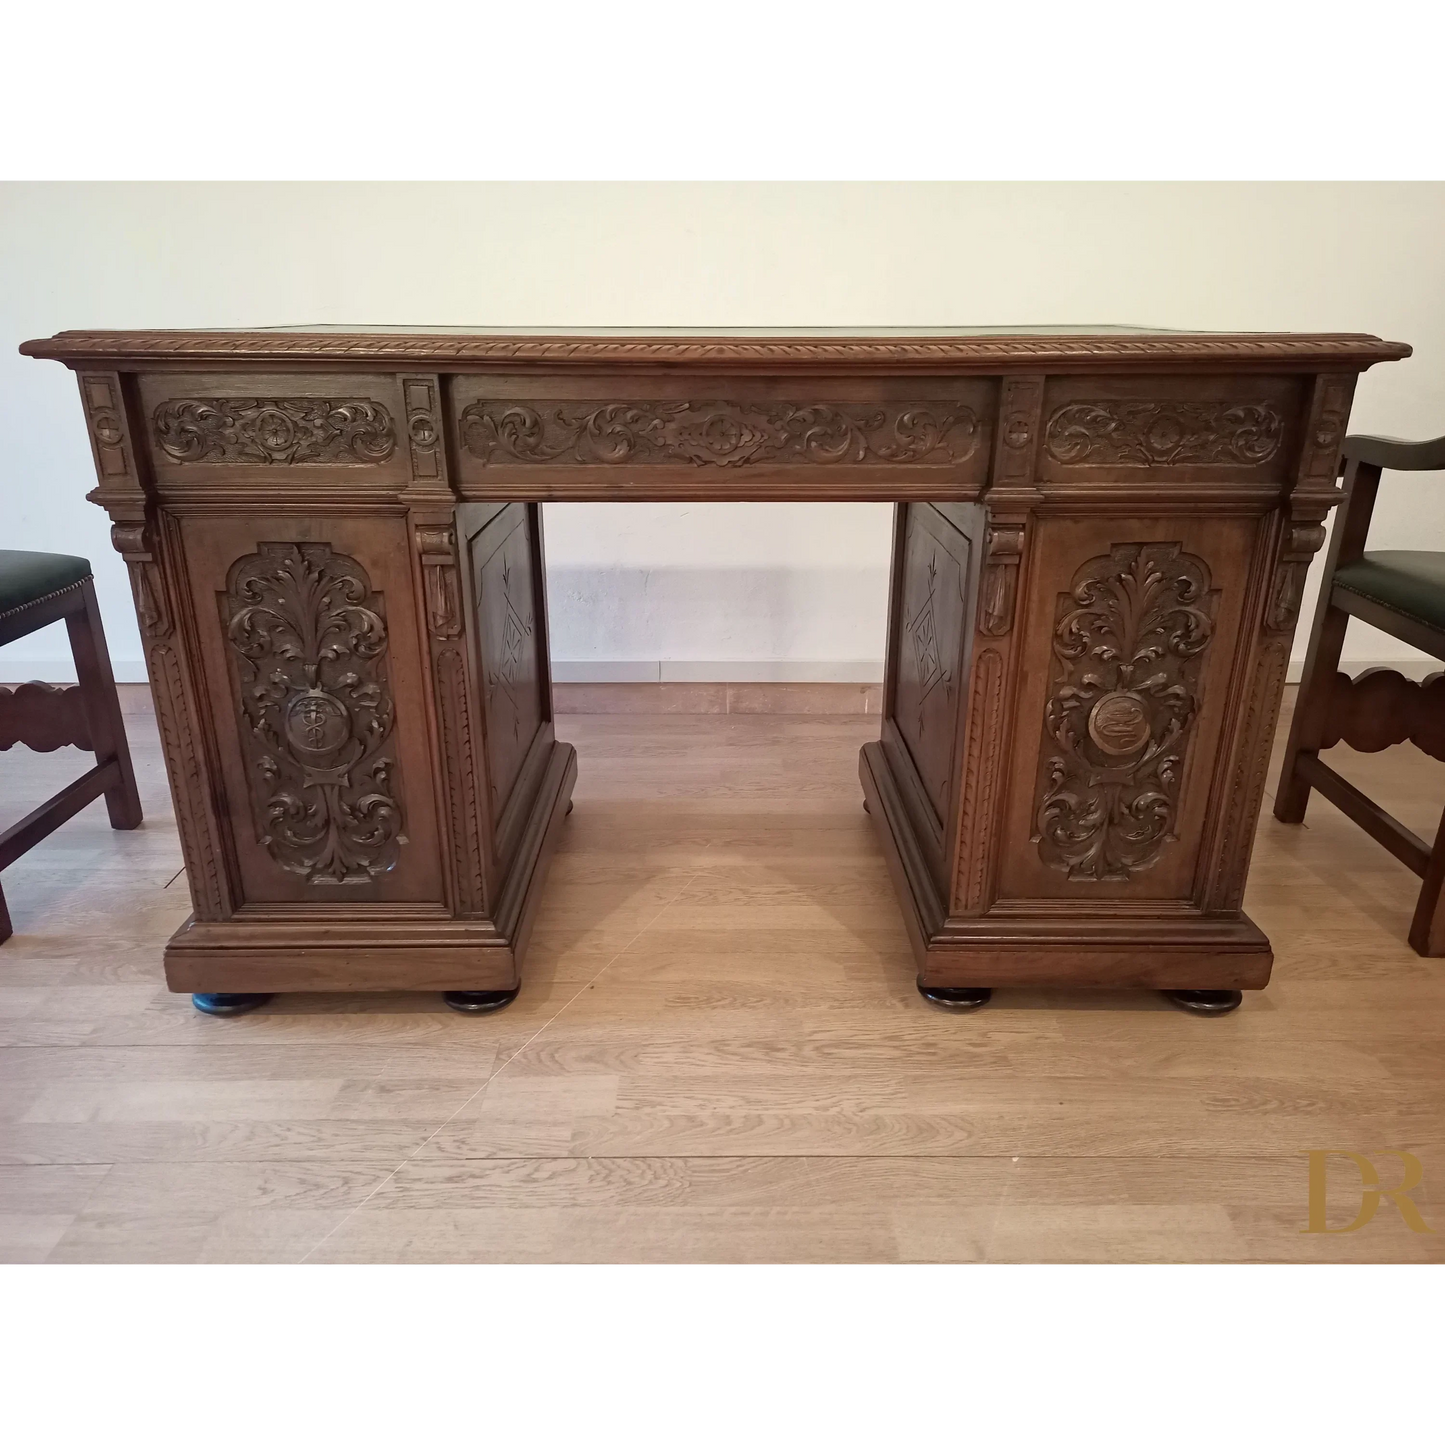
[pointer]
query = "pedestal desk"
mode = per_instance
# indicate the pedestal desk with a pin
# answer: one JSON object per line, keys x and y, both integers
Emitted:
{"x": 335, "y": 542}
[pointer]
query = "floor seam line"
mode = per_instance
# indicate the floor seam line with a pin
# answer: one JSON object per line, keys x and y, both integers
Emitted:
{"x": 495, "y": 1072}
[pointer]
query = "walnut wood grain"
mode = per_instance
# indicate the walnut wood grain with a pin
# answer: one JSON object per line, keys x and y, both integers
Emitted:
{"x": 1061, "y": 800}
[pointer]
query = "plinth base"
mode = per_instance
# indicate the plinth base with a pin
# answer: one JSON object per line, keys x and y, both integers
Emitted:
{"x": 1083, "y": 948}
{"x": 377, "y": 947}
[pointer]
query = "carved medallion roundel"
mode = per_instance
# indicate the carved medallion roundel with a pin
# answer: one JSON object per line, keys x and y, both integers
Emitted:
{"x": 1118, "y": 724}
{"x": 317, "y": 723}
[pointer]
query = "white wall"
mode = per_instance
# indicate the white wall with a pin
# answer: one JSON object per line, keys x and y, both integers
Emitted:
{"x": 702, "y": 590}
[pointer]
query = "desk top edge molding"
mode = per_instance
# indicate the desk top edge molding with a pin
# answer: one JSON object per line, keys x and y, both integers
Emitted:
{"x": 123, "y": 349}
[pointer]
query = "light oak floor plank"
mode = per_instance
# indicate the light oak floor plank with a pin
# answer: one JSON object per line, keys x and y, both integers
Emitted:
{"x": 718, "y": 1054}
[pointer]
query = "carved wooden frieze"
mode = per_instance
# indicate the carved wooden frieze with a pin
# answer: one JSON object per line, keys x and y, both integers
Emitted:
{"x": 317, "y": 714}
{"x": 1128, "y": 648}
{"x": 274, "y": 431}
{"x": 1143, "y": 433}
{"x": 718, "y": 433}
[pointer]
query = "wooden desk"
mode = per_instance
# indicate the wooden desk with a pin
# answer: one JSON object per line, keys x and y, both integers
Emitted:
{"x": 335, "y": 544}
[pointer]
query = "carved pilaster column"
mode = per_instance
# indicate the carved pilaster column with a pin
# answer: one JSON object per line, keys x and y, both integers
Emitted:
{"x": 1010, "y": 499}
{"x": 177, "y": 719}
{"x": 457, "y": 735}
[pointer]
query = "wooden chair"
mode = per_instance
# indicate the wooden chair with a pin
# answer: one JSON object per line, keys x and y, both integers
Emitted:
{"x": 1402, "y": 593}
{"x": 37, "y": 588}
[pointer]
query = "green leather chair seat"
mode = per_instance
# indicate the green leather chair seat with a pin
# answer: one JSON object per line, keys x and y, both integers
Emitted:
{"x": 1408, "y": 582}
{"x": 26, "y": 577}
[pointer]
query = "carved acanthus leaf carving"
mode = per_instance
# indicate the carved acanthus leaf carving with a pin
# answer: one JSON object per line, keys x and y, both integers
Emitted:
{"x": 317, "y": 713}
{"x": 285, "y": 431}
{"x": 1000, "y": 580}
{"x": 1164, "y": 433}
{"x": 719, "y": 433}
{"x": 134, "y": 542}
{"x": 1302, "y": 541}
{"x": 1129, "y": 640}
{"x": 437, "y": 547}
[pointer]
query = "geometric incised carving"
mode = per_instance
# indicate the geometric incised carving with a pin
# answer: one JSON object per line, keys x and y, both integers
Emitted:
{"x": 922, "y": 632}
{"x": 1128, "y": 648}
{"x": 1164, "y": 433}
{"x": 505, "y": 674}
{"x": 718, "y": 433}
{"x": 929, "y": 646}
{"x": 504, "y": 591}
{"x": 317, "y": 712}
{"x": 286, "y": 431}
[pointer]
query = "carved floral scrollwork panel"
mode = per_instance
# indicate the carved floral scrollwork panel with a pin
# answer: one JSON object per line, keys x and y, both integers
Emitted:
{"x": 310, "y": 641}
{"x": 1147, "y": 433}
{"x": 275, "y": 431}
{"x": 1129, "y": 642}
{"x": 720, "y": 433}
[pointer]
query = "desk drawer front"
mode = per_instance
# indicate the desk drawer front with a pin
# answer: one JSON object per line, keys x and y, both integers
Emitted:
{"x": 219, "y": 430}
{"x": 579, "y": 436}
{"x": 1137, "y": 432}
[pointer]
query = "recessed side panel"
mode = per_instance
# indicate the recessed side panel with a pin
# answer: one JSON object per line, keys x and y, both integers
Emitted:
{"x": 927, "y": 636}
{"x": 505, "y": 577}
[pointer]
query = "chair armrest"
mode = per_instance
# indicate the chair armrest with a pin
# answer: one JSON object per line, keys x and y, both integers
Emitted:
{"x": 1396, "y": 455}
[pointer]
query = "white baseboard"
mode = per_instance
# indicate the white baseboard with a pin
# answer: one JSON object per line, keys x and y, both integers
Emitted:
{"x": 868, "y": 669}
{"x": 861, "y": 670}
{"x": 62, "y": 669}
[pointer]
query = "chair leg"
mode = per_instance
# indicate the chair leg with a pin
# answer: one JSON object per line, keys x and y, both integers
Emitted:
{"x": 102, "y": 707}
{"x": 1427, "y": 928}
{"x": 1310, "y": 710}
{"x": 5, "y": 929}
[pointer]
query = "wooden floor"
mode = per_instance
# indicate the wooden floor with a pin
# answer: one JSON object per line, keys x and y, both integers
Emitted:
{"x": 718, "y": 1053}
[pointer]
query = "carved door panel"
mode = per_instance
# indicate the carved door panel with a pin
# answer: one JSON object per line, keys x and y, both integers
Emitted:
{"x": 506, "y": 582}
{"x": 307, "y": 627}
{"x": 1133, "y": 636}
{"x": 934, "y": 583}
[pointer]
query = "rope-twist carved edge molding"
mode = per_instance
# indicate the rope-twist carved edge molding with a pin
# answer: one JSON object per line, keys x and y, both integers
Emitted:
{"x": 962, "y": 350}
